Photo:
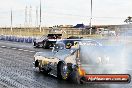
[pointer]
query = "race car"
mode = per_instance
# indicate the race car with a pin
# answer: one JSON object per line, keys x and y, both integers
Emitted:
{"x": 47, "y": 41}
{"x": 85, "y": 57}
{"x": 63, "y": 63}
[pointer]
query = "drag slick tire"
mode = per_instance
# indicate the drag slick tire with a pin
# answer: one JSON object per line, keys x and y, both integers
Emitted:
{"x": 75, "y": 78}
{"x": 74, "y": 75}
{"x": 67, "y": 73}
{"x": 45, "y": 45}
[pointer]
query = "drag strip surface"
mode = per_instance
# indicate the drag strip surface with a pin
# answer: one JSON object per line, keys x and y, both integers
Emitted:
{"x": 16, "y": 70}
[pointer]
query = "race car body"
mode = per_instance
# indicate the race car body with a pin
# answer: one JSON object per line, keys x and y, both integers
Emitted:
{"x": 74, "y": 63}
{"x": 61, "y": 62}
{"x": 47, "y": 41}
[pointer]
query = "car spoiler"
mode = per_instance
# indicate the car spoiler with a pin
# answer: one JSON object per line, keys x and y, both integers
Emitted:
{"x": 50, "y": 35}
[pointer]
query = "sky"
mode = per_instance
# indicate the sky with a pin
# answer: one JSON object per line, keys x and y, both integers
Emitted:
{"x": 65, "y": 12}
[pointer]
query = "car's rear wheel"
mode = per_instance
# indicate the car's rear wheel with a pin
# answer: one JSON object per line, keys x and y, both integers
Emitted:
{"x": 45, "y": 45}
{"x": 66, "y": 72}
{"x": 36, "y": 45}
{"x": 74, "y": 77}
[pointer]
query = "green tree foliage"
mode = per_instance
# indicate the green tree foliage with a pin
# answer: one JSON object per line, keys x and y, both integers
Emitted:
{"x": 128, "y": 20}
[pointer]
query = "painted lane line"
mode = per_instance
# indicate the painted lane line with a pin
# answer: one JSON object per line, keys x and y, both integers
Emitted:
{"x": 20, "y": 49}
{"x": 25, "y": 50}
{"x": 14, "y": 48}
{"x": 31, "y": 51}
{"x": 3, "y": 46}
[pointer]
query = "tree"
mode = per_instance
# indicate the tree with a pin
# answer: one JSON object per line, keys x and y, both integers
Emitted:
{"x": 128, "y": 20}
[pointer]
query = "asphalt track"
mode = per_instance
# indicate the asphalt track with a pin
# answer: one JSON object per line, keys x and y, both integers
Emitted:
{"x": 16, "y": 69}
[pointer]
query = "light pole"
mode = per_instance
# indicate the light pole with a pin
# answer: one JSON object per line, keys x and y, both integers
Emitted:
{"x": 40, "y": 17}
{"x": 91, "y": 17}
{"x": 11, "y": 20}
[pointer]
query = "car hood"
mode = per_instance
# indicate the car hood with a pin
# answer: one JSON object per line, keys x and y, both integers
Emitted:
{"x": 61, "y": 54}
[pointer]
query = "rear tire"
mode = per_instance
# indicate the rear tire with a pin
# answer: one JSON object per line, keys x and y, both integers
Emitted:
{"x": 45, "y": 45}
{"x": 35, "y": 45}
{"x": 74, "y": 77}
{"x": 72, "y": 74}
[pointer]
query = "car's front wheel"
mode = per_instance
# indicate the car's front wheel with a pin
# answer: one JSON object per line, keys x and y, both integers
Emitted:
{"x": 62, "y": 71}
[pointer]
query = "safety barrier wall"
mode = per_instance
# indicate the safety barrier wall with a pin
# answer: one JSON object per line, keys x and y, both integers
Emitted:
{"x": 17, "y": 39}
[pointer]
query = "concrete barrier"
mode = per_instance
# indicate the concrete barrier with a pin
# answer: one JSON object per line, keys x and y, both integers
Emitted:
{"x": 17, "y": 39}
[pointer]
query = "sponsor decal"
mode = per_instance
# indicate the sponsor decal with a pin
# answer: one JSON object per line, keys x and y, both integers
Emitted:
{"x": 108, "y": 78}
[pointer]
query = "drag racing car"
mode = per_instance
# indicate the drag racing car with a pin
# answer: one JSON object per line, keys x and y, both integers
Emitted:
{"x": 47, "y": 41}
{"x": 85, "y": 57}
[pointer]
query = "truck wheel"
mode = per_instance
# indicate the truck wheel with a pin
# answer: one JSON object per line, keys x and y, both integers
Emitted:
{"x": 62, "y": 71}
